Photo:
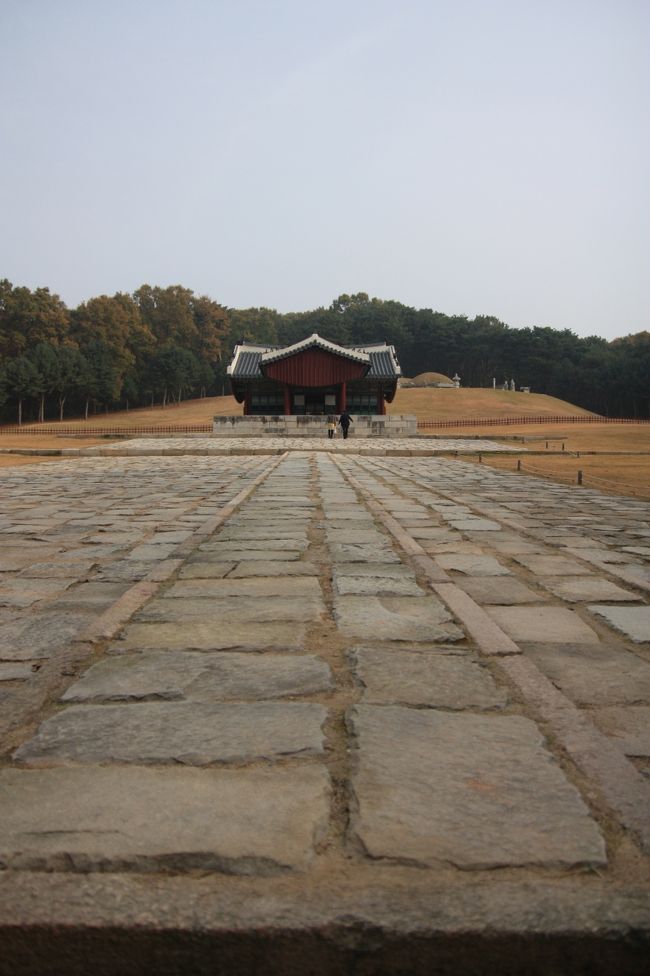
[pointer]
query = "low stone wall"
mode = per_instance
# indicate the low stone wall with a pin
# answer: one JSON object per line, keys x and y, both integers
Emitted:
{"x": 396, "y": 425}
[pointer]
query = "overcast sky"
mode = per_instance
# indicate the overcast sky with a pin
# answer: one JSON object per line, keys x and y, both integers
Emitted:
{"x": 471, "y": 156}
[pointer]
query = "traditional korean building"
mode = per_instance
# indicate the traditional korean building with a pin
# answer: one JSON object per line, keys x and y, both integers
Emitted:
{"x": 314, "y": 376}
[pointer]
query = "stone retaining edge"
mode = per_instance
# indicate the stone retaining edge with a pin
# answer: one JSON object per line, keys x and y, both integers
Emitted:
{"x": 134, "y": 927}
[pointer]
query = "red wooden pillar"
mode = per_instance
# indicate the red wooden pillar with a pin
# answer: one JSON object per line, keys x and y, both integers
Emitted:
{"x": 247, "y": 403}
{"x": 342, "y": 398}
{"x": 381, "y": 403}
{"x": 287, "y": 400}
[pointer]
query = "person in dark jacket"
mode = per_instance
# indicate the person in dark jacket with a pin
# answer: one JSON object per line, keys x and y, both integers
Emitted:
{"x": 344, "y": 422}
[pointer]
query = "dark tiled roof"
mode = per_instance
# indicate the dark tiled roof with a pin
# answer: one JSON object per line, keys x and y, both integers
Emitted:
{"x": 383, "y": 362}
{"x": 248, "y": 364}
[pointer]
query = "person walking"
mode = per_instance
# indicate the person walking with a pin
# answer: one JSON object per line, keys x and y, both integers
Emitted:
{"x": 344, "y": 422}
{"x": 331, "y": 427}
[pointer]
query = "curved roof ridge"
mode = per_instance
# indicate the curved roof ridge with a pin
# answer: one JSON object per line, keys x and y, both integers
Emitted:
{"x": 315, "y": 339}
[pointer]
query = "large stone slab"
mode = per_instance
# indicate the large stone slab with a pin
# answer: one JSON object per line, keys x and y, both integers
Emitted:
{"x": 424, "y": 678}
{"x": 246, "y": 822}
{"x": 205, "y": 570}
{"x": 39, "y": 635}
{"x": 22, "y": 592}
{"x": 347, "y": 584}
{"x": 552, "y": 565}
{"x": 74, "y": 568}
{"x": 370, "y": 535}
{"x": 555, "y": 625}
{"x": 632, "y": 622}
{"x": 629, "y": 726}
{"x": 263, "y": 567}
{"x": 199, "y": 676}
{"x": 252, "y": 532}
{"x": 578, "y": 589}
{"x": 199, "y": 635}
{"x": 471, "y": 565}
{"x": 21, "y": 557}
{"x": 223, "y": 554}
{"x": 504, "y": 591}
{"x": 475, "y": 525}
{"x": 433, "y": 534}
{"x": 234, "y": 608}
{"x": 15, "y": 671}
{"x": 268, "y": 545}
{"x": 378, "y": 570}
{"x": 336, "y": 515}
{"x": 127, "y": 570}
{"x": 475, "y": 791}
{"x": 379, "y": 552}
{"x": 253, "y": 588}
{"x": 399, "y": 618}
{"x": 148, "y": 553}
{"x": 192, "y": 733}
{"x": 91, "y": 595}
{"x": 594, "y": 674}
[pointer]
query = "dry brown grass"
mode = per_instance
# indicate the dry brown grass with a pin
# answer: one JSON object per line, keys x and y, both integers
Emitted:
{"x": 607, "y": 472}
{"x": 602, "y": 453}
{"x": 445, "y": 404}
{"x": 623, "y": 475}
{"x": 613, "y": 475}
{"x": 189, "y": 412}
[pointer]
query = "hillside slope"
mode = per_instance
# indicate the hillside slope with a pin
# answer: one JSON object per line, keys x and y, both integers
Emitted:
{"x": 441, "y": 404}
{"x": 426, "y": 404}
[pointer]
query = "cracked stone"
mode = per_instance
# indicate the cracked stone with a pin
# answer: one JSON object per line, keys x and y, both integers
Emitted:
{"x": 401, "y": 618}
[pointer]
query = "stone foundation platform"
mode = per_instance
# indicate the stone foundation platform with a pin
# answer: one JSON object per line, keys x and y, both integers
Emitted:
{"x": 376, "y": 425}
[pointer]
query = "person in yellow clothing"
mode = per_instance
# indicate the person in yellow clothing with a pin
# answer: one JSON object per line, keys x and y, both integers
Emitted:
{"x": 331, "y": 427}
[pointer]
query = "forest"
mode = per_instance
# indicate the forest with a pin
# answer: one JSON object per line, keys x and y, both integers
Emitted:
{"x": 161, "y": 345}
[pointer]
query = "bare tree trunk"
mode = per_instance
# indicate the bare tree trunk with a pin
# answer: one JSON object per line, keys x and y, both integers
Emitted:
{"x": 41, "y": 409}
{"x": 61, "y": 402}
{"x": 20, "y": 411}
{"x": 86, "y": 411}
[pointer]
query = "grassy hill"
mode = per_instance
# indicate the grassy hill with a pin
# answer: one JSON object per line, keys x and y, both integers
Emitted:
{"x": 426, "y": 403}
{"x": 445, "y": 404}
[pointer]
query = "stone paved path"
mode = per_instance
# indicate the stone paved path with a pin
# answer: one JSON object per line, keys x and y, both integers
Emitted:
{"x": 352, "y": 691}
{"x": 404, "y": 446}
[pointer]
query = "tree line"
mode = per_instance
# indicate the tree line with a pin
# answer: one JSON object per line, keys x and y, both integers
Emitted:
{"x": 156, "y": 345}
{"x": 161, "y": 345}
